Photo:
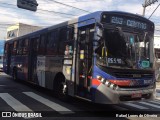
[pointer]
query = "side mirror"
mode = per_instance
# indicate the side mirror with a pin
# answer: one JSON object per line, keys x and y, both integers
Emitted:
{"x": 99, "y": 32}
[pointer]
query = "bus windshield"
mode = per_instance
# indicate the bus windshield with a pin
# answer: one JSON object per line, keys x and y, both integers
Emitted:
{"x": 125, "y": 49}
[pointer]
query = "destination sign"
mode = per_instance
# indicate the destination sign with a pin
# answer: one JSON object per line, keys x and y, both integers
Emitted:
{"x": 128, "y": 22}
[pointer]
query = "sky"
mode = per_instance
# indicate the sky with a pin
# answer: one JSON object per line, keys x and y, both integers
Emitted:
{"x": 50, "y": 12}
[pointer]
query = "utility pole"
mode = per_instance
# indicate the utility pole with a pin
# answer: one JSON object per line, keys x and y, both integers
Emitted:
{"x": 146, "y": 4}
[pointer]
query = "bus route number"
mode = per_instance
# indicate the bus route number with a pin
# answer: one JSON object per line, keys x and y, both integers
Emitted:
{"x": 115, "y": 60}
{"x": 117, "y": 20}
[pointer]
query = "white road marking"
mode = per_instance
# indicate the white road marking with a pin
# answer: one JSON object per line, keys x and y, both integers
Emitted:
{"x": 149, "y": 104}
{"x": 53, "y": 105}
{"x": 157, "y": 102}
{"x": 120, "y": 108}
{"x": 135, "y": 105}
{"x": 14, "y": 103}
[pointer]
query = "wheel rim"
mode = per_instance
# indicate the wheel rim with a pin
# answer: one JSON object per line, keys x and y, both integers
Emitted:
{"x": 63, "y": 89}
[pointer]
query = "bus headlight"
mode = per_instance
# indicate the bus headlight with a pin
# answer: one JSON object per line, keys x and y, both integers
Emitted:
{"x": 101, "y": 79}
{"x": 107, "y": 83}
{"x": 111, "y": 86}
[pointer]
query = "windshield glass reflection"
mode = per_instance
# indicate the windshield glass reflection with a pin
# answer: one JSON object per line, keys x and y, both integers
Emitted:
{"x": 124, "y": 49}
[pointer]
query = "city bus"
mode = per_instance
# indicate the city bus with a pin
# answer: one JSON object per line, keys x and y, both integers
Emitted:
{"x": 104, "y": 57}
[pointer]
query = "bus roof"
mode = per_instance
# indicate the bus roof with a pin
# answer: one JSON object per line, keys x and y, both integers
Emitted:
{"x": 97, "y": 16}
{"x": 83, "y": 21}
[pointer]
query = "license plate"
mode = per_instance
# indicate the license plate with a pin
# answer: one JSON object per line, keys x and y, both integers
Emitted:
{"x": 136, "y": 95}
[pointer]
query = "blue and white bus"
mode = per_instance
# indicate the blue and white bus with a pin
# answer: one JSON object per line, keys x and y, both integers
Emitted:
{"x": 104, "y": 57}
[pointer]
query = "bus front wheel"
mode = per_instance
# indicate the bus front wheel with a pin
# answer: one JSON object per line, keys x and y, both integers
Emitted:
{"x": 61, "y": 90}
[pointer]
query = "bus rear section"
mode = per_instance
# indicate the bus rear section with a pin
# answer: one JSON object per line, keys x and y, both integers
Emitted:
{"x": 124, "y": 57}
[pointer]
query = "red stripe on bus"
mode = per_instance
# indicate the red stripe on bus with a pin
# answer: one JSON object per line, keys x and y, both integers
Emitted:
{"x": 121, "y": 82}
{"x": 96, "y": 82}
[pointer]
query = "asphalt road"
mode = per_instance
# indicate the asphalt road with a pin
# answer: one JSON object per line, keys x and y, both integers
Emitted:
{"x": 21, "y": 97}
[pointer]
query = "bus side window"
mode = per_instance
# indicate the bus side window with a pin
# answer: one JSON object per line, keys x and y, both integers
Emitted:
{"x": 14, "y": 51}
{"x": 19, "y": 47}
{"x": 42, "y": 45}
{"x": 52, "y": 43}
{"x": 62, "y": 39}
{"x": 35, "y": 44}
{"x": 70, "y": 33}
{"x": 25, "y": 46}
{"x": 6, "y": 49}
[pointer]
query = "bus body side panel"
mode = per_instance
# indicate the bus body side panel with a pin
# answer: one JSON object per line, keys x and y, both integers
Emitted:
{"x": 53, "y": 66}
{"x": 41, "y": 70}
{"x": 48, "y": 66}
{"x": 21, "y": 63}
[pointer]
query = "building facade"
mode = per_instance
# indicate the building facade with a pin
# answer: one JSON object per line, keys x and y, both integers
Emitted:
{"x": 20, "y": 29}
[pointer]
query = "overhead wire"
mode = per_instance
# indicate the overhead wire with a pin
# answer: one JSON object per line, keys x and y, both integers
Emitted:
{"x": 84, "y": 1}
{"x": 41, "y": 10}
{"x": 38, "y": 19}
{"x": 64, "y": 18}
{"x": 53, "y": 11}
{"x": 154, "y": 11}
{"x": 38, "y": 12}
{"x": 69, "y": 6}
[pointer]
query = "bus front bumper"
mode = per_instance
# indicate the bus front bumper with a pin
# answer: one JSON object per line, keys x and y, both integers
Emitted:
{"x": 106, "y": 95}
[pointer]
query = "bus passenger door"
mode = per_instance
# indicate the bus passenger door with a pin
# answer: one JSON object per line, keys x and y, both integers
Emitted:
{"x": 84, "y": 61}
{"x": 7, "y": 56}
{"x": 33, "y": 48}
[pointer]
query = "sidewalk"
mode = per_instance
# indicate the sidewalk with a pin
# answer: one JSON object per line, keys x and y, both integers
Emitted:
{"x": 158, "y": 85}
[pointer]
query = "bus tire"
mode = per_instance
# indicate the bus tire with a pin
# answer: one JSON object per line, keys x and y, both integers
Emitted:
{"x": 60, "y": 89}
{"x": 14, "y": 74}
